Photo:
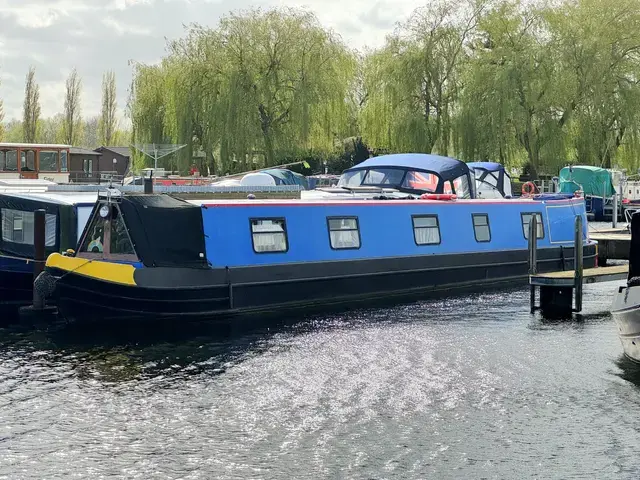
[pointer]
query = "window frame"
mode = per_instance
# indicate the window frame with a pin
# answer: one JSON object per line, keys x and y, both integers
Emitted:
{"x": 284, "y": 230}
{"x": 413, "y": 226}
{"x": 525, "y": 231}
{"x": 488, "y": 225}
{"x": 351, "y": 217}
{"x": 47, "y": 151}
{"x": 106, "y": 244}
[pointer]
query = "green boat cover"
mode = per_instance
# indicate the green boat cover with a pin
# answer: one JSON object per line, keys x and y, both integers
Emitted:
{"x": 592, "y": 180}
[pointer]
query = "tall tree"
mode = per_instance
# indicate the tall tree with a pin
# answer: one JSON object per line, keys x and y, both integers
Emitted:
{"x": 72, "y": 114}
{"x": 108, "y": 120}
{"x": 31, "y": 110}
{"x": 1, "y": 119}
{"x": 414, "y": 80}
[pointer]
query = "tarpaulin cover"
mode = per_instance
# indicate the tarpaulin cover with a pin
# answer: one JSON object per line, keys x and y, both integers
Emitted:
{"x": 593, "y": 180}
{"x": 166, "y": 231}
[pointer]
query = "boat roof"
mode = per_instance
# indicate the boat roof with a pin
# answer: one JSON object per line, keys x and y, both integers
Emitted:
{"x": 32, "y": 145}
{"x": 490, "y": 166}
{"x": 61, "y": 198}
{"x": 445, "y": 166}
{"x": 590, "y": 168}
{"x": 368, "y": 201}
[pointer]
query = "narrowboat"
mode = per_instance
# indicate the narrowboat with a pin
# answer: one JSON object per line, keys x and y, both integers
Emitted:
{"x": 150, "y": 256}
{"x": 65, "y": 219}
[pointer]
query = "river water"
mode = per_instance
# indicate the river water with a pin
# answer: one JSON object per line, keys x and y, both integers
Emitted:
{"x": 469, "y": 387}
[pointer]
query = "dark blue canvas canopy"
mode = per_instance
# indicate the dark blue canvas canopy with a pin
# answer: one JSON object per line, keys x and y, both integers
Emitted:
{"x": 489, "y": 166}
{"x": 447, "y": 168}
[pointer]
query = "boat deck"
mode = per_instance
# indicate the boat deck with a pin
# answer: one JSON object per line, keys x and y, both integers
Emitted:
{"x": 589, "y": 275}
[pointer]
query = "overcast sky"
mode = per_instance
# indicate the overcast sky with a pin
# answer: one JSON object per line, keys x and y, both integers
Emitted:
{"x": 97, "y": 35}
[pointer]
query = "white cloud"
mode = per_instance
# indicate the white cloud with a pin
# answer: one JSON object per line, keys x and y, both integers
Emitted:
{"x": 99, "y": 35}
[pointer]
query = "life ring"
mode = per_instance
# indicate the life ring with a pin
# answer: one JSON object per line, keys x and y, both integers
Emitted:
{"x": 529, "y": 188}
{"x": 578, "y": 194}
{"x": 438, "y": 196}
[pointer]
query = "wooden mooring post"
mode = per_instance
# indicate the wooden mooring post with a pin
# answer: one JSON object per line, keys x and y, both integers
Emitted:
{"x": 39, "y": 309}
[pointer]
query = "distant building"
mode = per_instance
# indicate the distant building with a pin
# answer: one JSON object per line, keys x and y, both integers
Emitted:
{"x": 115, "y": 159}
{"x": 84, "y": 165}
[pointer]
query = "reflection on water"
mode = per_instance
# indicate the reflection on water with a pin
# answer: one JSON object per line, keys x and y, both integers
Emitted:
{"x": 470, "y": 387}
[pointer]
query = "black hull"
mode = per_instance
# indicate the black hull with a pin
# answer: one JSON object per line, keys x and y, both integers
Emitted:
{"x": 178, "y": 293}
{"x": 16, "y": 288}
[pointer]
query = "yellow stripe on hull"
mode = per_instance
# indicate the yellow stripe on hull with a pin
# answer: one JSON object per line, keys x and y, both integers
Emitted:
{"x": 107, "y": 271}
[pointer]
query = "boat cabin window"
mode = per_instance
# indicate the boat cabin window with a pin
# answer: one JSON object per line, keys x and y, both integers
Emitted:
{"x": 269, "y": 235}
{"x": 120, "y": 241}
{"x": 352, "y": 179}
{"x": 421, "y": 181}
{"x": 9, "y": 160}
{"x": 48, "y": 161}
{"x": 459, "y": 186}
{"x": 343, "y": 233}
{"x": 481, "y": 227}
{"x": 63, "y": 160}
{"x": 18, "y": 226}
{"x": 28, "y": 160}
{"x": 107, "y": 236}
{"x": 426, "y": 229}
{"x": 526, "y": 219}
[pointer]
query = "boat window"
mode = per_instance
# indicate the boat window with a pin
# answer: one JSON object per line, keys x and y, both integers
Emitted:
{"x": 461, "y": 186}
{"x": 383, "y": 176}
{"x": 526, "y": 219}
{"x": 120, "y": 241}
{"x": 48, "y": 161}
{"x": 63, "y": 161}
{"x": 17, "y": 227}
{"x": 426, "y": 229}
{"x": 352, "y": 179}
{"x": 344, "y": 232}
{"x": 94, "y": 240}
{"x": 421, "y": 181}
{"x": 269, "y": 235}
{"x": 9, "y": 160}
{"x": 28, "y": 160}
{"x": 481, "y": 227}
{"x": 3, "y": 161}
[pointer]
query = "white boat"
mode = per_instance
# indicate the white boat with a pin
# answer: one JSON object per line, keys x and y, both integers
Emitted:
{"x": 626, "y": 302}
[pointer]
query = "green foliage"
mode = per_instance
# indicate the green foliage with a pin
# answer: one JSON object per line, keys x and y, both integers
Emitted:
{"x": 259, "y": 88}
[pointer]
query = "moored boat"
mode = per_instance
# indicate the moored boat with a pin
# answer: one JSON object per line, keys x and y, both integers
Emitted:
{"x": 65, "y": 218}
{"x": 161, "y": 256}
{"x": 626, "y": 302}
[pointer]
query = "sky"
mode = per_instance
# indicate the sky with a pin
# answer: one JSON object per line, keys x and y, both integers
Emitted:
{"x": 98, "y": 35}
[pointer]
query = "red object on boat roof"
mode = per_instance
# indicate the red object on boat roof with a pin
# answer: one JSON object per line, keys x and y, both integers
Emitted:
{"x": 438, "y": 196}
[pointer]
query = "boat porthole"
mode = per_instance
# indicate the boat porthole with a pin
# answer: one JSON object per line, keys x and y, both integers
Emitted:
{"x": 633, "y": 342}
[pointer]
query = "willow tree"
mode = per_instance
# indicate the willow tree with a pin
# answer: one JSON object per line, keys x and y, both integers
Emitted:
{"x": 31, "y": 107}
{"x": 517, "y": 84}
{"x": 290, "y": 73}
{"x": 414, "y": 80}
{"x": 147, "y": 105}
{"x": 600, "y": 46}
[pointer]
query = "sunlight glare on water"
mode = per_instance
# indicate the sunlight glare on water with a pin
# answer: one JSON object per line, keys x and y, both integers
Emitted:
{"x": 472, "y": 387}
